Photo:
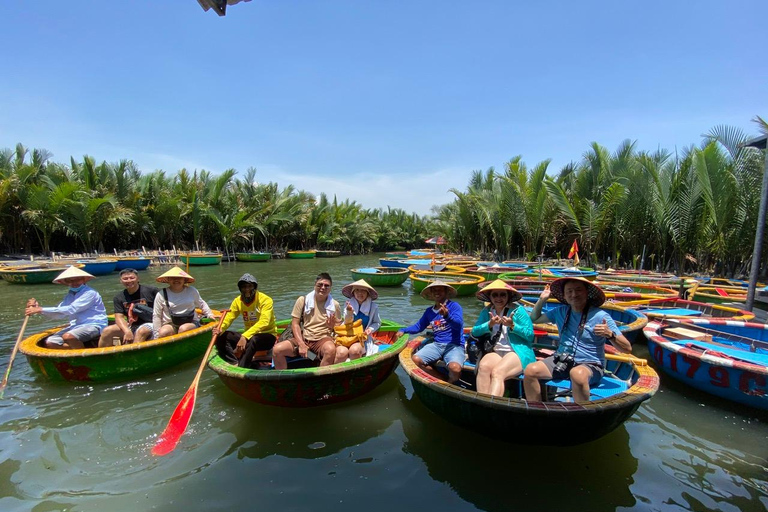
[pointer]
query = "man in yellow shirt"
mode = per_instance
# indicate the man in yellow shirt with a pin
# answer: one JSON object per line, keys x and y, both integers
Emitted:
{"x": 260, "y": 329}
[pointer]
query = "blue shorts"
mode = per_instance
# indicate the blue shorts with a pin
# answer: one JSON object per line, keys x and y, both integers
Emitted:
{"x": 83, "y": 333}
{"x": 448, "y": 352}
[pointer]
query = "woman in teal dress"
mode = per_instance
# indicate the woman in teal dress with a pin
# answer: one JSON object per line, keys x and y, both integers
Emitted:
{"x": 509, "y": 324}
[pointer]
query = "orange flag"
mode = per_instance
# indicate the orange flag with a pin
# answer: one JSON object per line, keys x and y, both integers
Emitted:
{"x": 574, "y": 250}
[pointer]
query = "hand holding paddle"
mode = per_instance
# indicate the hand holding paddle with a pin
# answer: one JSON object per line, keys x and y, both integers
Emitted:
{"x": 13, "y": 355}
{"x": 183, "y": 412}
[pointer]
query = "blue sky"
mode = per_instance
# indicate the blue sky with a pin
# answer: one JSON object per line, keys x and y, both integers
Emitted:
{"x": 383, "y": 102}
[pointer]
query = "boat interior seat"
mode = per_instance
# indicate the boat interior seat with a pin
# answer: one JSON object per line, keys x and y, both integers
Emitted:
{"x": 608, "y": 387}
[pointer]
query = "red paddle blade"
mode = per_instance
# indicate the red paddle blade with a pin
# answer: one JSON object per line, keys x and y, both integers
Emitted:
{"x": 177, "y": 424}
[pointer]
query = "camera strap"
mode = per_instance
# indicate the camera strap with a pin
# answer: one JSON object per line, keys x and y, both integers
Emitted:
{"x": 580, "y": 329}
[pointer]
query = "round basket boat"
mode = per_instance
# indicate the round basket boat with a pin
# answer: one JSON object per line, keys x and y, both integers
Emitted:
{"x": 681, "y": 308}
{"x": 136, "y": 263}
{"x": 725, "y": 358}
{"x": 437, "y": 267}
{"x": 200, "y": 259}
{"x": 123, "y": 362}
{"x": 253, "y": 256}
{"x": 327, "y": 254}
{"x": 631, "y": 382}
{"x": 465, "y": 284}
{"x": 34, "y": 274}
{"x": 300, "y": 255}
{"x": 381, "y": 276}
{"x": 313, "y": 386}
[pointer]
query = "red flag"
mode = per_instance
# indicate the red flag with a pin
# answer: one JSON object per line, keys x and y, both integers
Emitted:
{"x": 574, "y": 250}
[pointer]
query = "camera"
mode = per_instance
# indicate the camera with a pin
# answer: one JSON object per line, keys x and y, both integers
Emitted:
{"x": 563, "y": 363}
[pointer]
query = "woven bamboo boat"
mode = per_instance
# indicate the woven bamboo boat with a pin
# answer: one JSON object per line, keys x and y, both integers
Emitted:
{"x": 681, "y": 308}
{"x": 403, "y": 263}
{"x": 730, "y": 360}
{"x": 300, "y": 255}
{"x": 629, "y": 384}
{"x": 437, "y": 267}
{"x": 123, "y": 362}
{"x": 200, "y": 259}
{"x": 253, "y": 256}
{"x": 381, "y": 276}
{"x": 136, "y": 263}
{"x": 313, "y": 386}
{"x": 490, "y": 272}
{"x": 327, "y": 254}
{"x": 98, "y": 267}
{"x": 33, "y": 274}
{"x": 718, "y": 295}
{"x": 465, "y": 284}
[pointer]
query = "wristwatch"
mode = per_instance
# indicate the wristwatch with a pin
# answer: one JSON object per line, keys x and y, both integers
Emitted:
{"x": 612, "y": 337}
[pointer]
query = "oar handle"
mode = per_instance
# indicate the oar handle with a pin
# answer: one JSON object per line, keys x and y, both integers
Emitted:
{"x": 13, "y": 355}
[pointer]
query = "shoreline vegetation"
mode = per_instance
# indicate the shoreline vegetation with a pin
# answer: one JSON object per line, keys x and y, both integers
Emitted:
{"x": 694, "y": 210}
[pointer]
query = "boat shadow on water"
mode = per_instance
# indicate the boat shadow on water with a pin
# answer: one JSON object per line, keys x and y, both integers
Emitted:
{"x": 592, "y": 476}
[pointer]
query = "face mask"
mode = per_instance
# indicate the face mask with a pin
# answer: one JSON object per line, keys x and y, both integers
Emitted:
{"x": 75, "y": 290}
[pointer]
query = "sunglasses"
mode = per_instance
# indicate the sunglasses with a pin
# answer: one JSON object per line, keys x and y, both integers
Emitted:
{"x": 500, "y": 294}
{"x": 322, "y": 285}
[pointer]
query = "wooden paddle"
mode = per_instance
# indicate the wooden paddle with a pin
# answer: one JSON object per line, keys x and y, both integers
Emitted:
{"x": 183, "y": 412}
{"x": 720, "y": 334}
{"x": 13, "y": 355}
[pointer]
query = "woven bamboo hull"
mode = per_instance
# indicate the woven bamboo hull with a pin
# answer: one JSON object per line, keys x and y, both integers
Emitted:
{"x": 134, "y": 263}
{"x": 99, "y": 267}
{"x": 310, "y": 387}
{"x": 253, "y": 256}
{"x": 385, "y": 277}
{"x": 200, "y": 260}
{"x": 664, "y": 308}
{"x": 300, "y": 255}
{"x": 123, "y": 362}
{"x": 738, "y": 380}
{"x": 551, "y": 423}
{"x": 465, "y": 284}
{"x": 31, "y": 275}
{"x": 328, "y": 254}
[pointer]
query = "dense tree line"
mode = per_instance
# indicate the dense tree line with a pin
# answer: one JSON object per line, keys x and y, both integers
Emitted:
{"x": 695, "y": 210}
{"x": 85, "y": 207}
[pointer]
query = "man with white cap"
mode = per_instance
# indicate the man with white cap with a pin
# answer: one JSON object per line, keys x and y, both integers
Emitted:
{"x": 82, "y": 305}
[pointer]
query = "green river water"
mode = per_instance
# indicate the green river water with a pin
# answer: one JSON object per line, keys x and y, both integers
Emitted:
{"x": 86, "y": 447}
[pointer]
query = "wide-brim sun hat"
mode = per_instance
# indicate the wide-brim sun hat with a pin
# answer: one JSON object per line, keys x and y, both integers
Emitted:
{"x": 175, "y": 272}
{"x": 595, "y": 295}
{"x": 350, "y": 288}
{"x": 427, "y": 292}
{"x": 484, "y": 294}
{"x": 72, "y": 272}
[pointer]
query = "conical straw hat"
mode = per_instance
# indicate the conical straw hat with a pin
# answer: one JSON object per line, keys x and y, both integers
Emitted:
{"x": 348, "y": 289}
{"x": 595, "y": 294}
{"x": 175, "y": 272}
{"x": 427, "y": 292}
{"x": 72, "y": 271}
{"x": 485, "y": 293}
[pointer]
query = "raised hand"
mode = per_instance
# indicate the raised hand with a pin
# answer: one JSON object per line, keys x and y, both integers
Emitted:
{"x": 545, "y": 293}
{"x": 349, "y": 308}
{"x": 602, "y": 329}
{"x": 507, "y": 321}
{"x": 443, "y": 309}
{"x": 495, "y": 319}
{"x": 331, "y": 321}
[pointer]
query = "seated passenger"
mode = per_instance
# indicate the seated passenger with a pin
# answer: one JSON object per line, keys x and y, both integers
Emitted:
{"x": 259, "y": 319}
{"x": 82, "y": 306}
{"x": 508, "y": 330}
{"x": 313, "y": 318}
{"x": 174, "y": 310}
{"x": 361, "y": 306}
{"x": 584, "y": 329}
{"x": 447, "y": 322}
{"x": 133, "y": 307}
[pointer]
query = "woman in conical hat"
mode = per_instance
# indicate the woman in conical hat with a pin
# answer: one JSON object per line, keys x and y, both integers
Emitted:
{"x": 361, "y": 306}
{"x": 82, "y": 306}
{"x": 584, "y": 329}
{"x": 174, "y": 310}
{"x": 506, "y": 330}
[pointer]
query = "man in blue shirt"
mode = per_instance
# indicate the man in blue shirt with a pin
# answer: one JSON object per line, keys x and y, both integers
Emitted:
{"x": 82, "y": 305}
{"x": 447, "y": 322}
{"x": 584, "y": 329}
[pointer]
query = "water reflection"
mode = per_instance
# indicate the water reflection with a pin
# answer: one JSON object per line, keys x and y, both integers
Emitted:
{"x": 593, "y": 476}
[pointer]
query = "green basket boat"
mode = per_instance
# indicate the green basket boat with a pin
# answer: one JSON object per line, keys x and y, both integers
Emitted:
{"x": 253, "y": 256}
{"x": 34, "y": 274}
{"x": 313, "y": 386}
{"x": 465, "y": 284}
{"x": 198, "y": 260}
{"x": 631, "y": 383}
{"x": 123, "y": 362}
{"x": 381, "y": 276}
{"x": 328, "y": 254}
{"x": 300, "y": 255}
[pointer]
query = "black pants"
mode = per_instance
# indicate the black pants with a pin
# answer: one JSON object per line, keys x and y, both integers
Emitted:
{"x": 227, "y": 341}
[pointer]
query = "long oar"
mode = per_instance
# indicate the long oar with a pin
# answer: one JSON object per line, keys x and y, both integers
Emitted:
{"x": 183, "y": 412}
{"x": 13, "y": 355}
